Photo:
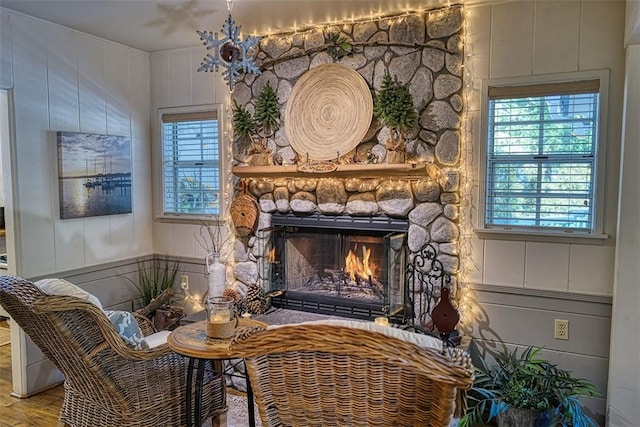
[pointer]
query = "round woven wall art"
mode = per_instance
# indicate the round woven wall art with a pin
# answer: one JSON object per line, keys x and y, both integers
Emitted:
{"x": 328, "y": 112}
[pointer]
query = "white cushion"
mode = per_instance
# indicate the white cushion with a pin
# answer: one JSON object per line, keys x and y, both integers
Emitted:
{"x": 420, "y": 340}
{"x": 63, "y": 288}
{"x": 157, "y": 338}
{"x": 127, "y": 327}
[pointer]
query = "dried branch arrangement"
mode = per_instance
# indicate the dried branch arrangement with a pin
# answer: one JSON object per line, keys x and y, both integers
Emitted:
{"x": 210, "y": 235}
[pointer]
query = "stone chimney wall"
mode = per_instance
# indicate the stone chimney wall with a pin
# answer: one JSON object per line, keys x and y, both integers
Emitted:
{"x": 423, "y": 51}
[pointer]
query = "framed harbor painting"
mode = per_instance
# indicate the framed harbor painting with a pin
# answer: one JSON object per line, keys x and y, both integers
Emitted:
{"x": 94, "y": 174}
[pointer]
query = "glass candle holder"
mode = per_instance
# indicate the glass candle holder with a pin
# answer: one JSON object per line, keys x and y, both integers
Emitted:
{"x": 221, "y": 318}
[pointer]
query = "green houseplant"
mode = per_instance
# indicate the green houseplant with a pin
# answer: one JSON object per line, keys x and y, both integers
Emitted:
{"x": 394, "y": 109}
{"x": 155, "y": 277}
{"x": 154, "y": 285}
{"x": 525, "y": 390}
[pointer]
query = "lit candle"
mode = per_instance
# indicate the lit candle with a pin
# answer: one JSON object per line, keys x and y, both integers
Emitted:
{"x": 382, "y": 321}
{"x": 219, "y": 318}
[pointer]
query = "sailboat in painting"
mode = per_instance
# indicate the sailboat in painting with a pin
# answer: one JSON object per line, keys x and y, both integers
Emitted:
{"x": 85, "y": 193}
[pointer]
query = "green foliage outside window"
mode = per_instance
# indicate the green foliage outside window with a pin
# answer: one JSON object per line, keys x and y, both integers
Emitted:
{"x": 195, "y": 196}
{"x": 541, "y": 161}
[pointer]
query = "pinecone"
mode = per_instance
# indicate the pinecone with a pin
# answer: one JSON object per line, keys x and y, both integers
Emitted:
{"x": 255, "y": 300}
{"x": 257, "y": 307}
{"x": 254, "y": 292}
{"x": 240, "y": 307}
{"x": 233, "y": 294}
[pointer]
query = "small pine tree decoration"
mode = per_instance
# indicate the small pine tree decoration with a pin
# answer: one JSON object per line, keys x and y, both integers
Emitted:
{"x": 257, "y": 129}
{"x": 243, "y": 123}
{"x": 394, "y": 109}
{"x": 267, "y": 111}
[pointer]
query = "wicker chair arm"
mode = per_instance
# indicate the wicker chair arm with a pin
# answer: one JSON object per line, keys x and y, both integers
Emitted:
{"x": 114, "y": 342}
{"x": 146, "y": 325}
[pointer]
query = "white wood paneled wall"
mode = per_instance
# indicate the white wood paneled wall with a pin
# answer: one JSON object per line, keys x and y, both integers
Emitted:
{"x": 174, "y": 83}
{"x": 530, "y": 38}
{"x": 65, "y": 80}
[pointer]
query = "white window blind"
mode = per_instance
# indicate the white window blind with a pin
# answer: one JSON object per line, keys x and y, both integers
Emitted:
{"x": 541, "y": 156}
{"x": 191, "y": 163}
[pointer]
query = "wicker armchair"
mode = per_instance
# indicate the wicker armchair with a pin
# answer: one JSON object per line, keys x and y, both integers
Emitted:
{"x": 327, "y": 375}
{"x": 106, "y": 382}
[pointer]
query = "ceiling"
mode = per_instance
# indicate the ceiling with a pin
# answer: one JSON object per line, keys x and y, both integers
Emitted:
{"x": 155, "y": 25}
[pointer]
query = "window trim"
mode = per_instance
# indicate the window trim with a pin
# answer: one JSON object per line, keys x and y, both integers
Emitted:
{"x": 160, "y": 215}
{"x": 495, "y": 231}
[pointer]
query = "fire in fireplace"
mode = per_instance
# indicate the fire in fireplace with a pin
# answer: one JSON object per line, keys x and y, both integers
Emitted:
{"x": 342, "y": 265}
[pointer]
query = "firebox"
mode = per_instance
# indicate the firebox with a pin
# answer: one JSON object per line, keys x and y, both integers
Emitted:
{"x": 340, "y": 265}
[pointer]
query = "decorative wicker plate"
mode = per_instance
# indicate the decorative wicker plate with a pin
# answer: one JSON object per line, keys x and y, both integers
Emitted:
{"x": 328, "y": 112}
{"x": 317, "y": 167}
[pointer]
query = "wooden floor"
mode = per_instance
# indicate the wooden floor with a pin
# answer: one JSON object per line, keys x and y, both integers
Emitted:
{"x": 40, "y": 410}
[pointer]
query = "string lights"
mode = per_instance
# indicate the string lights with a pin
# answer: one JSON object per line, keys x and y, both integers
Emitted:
{"x": 464, "y": 298}
{"x": 373, "y": 16}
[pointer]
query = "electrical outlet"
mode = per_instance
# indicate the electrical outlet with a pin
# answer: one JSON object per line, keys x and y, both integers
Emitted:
{"x": 184, "y": 282}
{"x": 561, "y": 329}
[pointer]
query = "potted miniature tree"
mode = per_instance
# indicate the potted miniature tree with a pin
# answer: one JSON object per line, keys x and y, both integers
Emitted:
{"x": 256, "y": 130}
{"x": 394, "y": 109}
{"x": 244, "y": 125}
{"x": 526, "y": 391}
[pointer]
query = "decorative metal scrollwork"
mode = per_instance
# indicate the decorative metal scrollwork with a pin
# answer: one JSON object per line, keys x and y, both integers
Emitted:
{"x": 426, "y": 278}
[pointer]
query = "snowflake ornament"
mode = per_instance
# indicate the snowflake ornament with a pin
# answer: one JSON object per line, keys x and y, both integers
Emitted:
{"x": 229, "y": 52}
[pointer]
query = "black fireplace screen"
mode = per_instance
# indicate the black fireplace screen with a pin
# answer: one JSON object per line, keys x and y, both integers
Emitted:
{"x": 344, "y": 271}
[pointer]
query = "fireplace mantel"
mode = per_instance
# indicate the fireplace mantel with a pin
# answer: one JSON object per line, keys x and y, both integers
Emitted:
{"x": 398, "y": 171}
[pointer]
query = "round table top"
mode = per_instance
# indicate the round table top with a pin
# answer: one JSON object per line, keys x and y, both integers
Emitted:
{"x": 191, "y": 340}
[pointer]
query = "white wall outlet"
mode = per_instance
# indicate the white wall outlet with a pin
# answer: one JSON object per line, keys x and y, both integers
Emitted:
{"x": 561, "y": 329}
{"x": 184, "y": 282}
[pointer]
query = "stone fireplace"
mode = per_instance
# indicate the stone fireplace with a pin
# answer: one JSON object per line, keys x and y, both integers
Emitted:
{"x": 411, "y": 214}
{"x": 302, "y": 212}
{"x": 336, "y": 265}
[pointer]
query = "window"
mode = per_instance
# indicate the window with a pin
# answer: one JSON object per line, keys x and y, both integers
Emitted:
{"x": 190, "y": 162}
{"x": 542, "y": 145}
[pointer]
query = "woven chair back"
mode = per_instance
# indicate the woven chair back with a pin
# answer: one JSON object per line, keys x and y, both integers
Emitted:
{"x": 320, "y": 375}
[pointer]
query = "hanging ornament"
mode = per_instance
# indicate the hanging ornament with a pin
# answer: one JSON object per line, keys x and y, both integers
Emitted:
{"x": 231, "y": 52}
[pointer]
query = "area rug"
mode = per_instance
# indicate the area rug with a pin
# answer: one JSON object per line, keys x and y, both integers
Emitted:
{"x": 5, "y": 336}
{"x": 238, "y": 415}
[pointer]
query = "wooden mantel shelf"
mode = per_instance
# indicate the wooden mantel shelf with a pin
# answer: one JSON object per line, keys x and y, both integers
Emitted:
{"x": 402, "y": 170}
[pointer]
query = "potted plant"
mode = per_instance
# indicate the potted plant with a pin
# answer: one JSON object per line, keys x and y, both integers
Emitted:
{"x": 525, "y": 390}
{"x": 394, "y": 109}
{"x": 154, "y": 286}
{"x": 257, "y": 129}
